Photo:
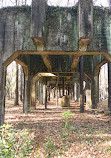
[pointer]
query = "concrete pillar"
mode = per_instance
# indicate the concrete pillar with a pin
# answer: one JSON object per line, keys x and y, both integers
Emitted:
{"x": 76, "y": 92}
{"x": 46, "y": 95}
{"x": 2, "y": 93}
{"x": 95, "y": 91}
{"x": 33, "y": 95}
{"x": 68, "y": 91}
{"x": 85, "y": 19}
{"x": 57, "y": 94}
{"x": 25, "y": 101}
{"x": 49, "y": 91}
{"x": 41, "y": 93}
{"x": 109, "y": 86}
{"x": 88, "y": 96}
{"x": 38, "y": 17}
{"x": 63, "y": 88}
{"x": 81, "y": 84}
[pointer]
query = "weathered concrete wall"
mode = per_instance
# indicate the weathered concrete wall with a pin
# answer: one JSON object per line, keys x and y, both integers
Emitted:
{"x": 61, "y": 29}
{"x": 108, "y": 29}
{"x": 15, "y": 28}
{"x": 99, "y": 42}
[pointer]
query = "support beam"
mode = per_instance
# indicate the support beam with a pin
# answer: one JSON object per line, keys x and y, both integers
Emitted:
{"x": 81, "y": 84}
{"x": 47, "y": 62}
{"x": 75, "y": 62}
{"x": 39, "y": 41}
{"x": 98, "y": 66}
{"x": 78, "y": 53}
{"x": 25, "y": 67}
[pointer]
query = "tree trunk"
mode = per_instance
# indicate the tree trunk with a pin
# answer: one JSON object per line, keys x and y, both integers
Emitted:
{"x": 16, "y": 89}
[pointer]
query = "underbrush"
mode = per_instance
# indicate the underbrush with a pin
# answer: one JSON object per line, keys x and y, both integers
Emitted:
{"x": 15, "y": 143}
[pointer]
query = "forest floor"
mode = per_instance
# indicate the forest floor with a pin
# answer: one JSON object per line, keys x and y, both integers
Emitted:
{"x": 87, "y": 135}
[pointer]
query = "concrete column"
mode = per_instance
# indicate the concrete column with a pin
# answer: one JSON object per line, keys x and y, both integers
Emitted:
{"x": 63, "y": 87}
{"x": 46, "y": 95}
{"x": 95, "y": 91}
{"x": 41, "y": 93}
{"x": 81, "y": 84}
{"x": 68, "y": 91}
{"x": 49, "y": 91}
{"x": 109, "y": 86}
{"x": 25, "y": 102}
{"x": 33, "y": 95}
{"x": 57, "y": 94}
{"x": 38, "y": 17}
{"x": 88, "y": 96}
{"x": 78, "y": 92}
{"x": 2, "y": 93}
{"x": 85, "y": 18}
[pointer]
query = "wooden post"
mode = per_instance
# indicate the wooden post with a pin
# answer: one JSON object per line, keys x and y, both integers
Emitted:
{"x": 81, "y": 84}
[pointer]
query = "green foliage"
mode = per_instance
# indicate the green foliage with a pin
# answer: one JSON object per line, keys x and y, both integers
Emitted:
{"x": 50, "y": 147}
{"x": 66, "y": 115}
{"x": 15, "y": 143}
{"x": 109, "y": 148}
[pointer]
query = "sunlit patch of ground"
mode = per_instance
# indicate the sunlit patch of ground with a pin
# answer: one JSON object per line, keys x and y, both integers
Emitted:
{"x": 90, "y": 137}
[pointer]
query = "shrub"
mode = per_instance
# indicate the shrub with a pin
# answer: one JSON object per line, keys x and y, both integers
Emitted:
{"x": 15, "y": 143}
{"x": 50, "y": 147}
{"x": 66, "y": 115}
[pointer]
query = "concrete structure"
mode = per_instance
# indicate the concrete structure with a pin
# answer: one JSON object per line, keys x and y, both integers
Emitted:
{"x": 71, "y": 43}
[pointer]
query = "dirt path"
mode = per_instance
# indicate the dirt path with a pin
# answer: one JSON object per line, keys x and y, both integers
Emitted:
{"x": 90, "y": 136}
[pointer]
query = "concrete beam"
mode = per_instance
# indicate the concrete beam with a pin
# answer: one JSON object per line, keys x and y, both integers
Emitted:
{"x": 39, "y": 41}
{"x": 25, "y": 67}
{"x": 98, "y": 66}
{"x": 75, "y": 62}
{"x": 47, "y": 62}
{"x": 77, "y": 53}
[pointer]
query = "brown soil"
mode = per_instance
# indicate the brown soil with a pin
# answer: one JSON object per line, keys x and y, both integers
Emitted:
{"x": 90, "y": 136}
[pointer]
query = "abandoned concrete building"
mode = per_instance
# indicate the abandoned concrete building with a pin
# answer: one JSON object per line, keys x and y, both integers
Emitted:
{"x": 58, "y": 46}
